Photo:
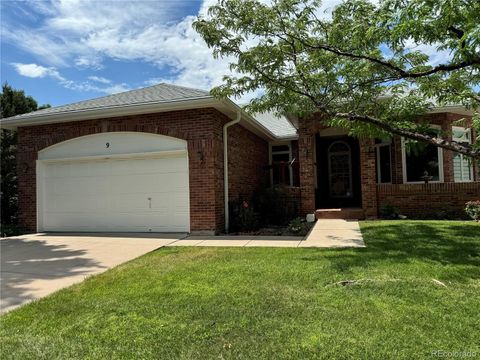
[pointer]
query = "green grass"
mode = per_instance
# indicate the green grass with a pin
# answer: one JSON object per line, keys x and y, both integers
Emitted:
{"x": 270, "y": 303}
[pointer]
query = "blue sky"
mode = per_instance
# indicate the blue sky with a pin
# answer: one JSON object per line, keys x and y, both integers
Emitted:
{"x": 62, "y": 51}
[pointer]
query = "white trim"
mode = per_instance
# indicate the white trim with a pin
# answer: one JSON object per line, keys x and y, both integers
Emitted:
{"x": 142, "y": 155}
{"x": 112, "y": 143}
{"x": 225, "y": 170}
{"x": 225, "y": 106}
{"x": 290, "y": 158}
{"x": 440, "y": 163}
{"x": 109, "y": 111}
{"x": 469, "y": 141}
{"x": 40, "y": 182}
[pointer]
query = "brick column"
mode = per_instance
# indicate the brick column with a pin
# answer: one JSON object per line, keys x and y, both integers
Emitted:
{"x": 367, "y": 173}
{"x": 306, "y": 145}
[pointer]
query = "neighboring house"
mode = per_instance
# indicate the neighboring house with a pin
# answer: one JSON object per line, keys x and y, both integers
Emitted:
{"x": 152, "y": 159}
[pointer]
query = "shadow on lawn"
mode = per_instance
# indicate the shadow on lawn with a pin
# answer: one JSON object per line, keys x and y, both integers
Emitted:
{"x": 24, "y": 262}
{"x": 404, "y": 243}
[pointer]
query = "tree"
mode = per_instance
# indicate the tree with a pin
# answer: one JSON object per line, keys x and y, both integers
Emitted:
{"x": 12, "y": 102}
{"x": 366, "y": 68}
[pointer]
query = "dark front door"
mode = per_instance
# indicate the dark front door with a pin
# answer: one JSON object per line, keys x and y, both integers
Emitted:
{"x": 338, "y": 172}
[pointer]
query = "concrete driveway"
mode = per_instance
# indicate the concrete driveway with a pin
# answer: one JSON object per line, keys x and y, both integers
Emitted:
{"x": 33, "y": 266}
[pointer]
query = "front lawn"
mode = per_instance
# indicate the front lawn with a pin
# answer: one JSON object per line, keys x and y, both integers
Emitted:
{"x": 417, "y": 291}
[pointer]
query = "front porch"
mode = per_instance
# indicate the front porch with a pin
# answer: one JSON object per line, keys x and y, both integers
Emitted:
{"x": 347, "y": 178}
{"x": 337, "y": 174}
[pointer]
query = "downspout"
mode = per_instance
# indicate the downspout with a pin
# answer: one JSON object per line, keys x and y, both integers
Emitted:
{"x": 225, "y": 167}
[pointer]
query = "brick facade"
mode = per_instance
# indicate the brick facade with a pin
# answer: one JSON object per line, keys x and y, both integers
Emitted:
{"x": 248, "y": 155}
{"x": 431, "y": 200}
{"x": 247, "y": 158}
{"x": 201, "y": 128}
{"x": 411, "y": 199}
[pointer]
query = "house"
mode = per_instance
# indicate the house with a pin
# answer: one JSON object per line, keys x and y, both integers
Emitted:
{"x": 168, "y": 159}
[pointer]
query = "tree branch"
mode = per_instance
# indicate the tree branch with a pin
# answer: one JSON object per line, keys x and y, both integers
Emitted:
{"x": 465, "y": 149}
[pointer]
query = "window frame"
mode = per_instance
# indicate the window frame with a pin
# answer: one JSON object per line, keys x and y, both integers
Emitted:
{"x": 377, "y": 152}
{"x": 441, "y": 178}
{"x": 469, "y": 131}
{"x": 290, "y": 156}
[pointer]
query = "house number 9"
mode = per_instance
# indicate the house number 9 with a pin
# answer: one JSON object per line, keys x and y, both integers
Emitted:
{"x": 107, "y": 145}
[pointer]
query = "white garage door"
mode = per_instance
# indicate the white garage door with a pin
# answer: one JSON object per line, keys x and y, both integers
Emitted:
{"x": 133, "y": 192}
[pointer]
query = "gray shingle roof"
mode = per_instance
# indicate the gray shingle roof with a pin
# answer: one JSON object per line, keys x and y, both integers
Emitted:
{"x": 280, "y": 126}
{"x": 157, "y": 93}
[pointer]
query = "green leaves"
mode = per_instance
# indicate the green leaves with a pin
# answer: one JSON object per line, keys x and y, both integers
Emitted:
{"x": 387, "y": 60}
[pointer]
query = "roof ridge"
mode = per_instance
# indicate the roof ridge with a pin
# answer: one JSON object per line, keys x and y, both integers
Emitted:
{"x": 179, "y": 86}
{"x": 89, "y": 103}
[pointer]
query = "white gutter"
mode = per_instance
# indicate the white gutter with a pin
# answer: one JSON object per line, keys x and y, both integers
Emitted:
{"x": 106, "y": 112}
{"x": 225, "y": 167}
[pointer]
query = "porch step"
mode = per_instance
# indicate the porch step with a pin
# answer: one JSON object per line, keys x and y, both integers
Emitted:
{"x": 341, "y": 213}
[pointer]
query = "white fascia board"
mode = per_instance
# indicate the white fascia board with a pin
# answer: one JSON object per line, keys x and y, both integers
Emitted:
{"x": 227, "y": 107}
{"x": 111, "y": 111}
{"x": 249, "y": 122}
{"x": 457, "y": 109}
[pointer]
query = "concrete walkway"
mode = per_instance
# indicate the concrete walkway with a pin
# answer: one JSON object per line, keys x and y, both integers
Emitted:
{"x": 324, "y": 234}
{"x": 239, "y": 241}
{"x": 33, "y": 266}
{"x": 334, "y": 233}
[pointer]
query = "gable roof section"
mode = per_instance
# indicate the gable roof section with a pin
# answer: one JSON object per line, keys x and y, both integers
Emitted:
{"x": 279, "y": 125}
{"x": 152, "y": 94}
{"x": 158, "y": 98}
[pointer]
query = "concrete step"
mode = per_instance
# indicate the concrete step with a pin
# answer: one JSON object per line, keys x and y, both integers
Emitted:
{"x": 340, "y": 213}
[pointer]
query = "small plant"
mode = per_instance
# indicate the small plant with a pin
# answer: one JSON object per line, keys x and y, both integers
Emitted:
{"x": 472, "y": 208}
{"x": 296, "y": 225}
{"x": 243, "y": 216}
{"x": 389, "y": 212}
{"x": 11, "y": 230}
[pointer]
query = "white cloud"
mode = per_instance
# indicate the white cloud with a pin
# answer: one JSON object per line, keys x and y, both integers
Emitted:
{"x": 100, "y": 79}
{"x": 436, "y": 56}
{"x": 83, "y": 33}
{"x": 36, "y": 71}
{"x": 39, "y": 71}
{"x": 92, "y": 62}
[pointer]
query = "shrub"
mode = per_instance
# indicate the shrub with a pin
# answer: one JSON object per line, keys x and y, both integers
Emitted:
{"x": 243, "y": 216}
{"x": 296, "y": 225}
{"x": 472, "y": 208}
{"x": 11, "y": 230}
{"x": 389, "y": 212}
{"x": 275, "y": 205}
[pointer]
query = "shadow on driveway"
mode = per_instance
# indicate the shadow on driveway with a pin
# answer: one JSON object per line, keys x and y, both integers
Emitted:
{"x": 26, "y": 264}
{"x": 33, "y": 266}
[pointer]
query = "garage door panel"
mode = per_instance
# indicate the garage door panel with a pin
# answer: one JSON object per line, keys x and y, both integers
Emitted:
{"x": 113, "y": 195}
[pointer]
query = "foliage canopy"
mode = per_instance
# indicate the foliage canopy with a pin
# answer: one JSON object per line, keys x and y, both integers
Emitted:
{"x": 370, "y": 67}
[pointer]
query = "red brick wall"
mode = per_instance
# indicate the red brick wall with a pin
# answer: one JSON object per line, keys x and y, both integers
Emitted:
{"x": 368, "y": 175}
{"x": 247, "y": 157}
{"x": 306, "y": 159}
{"x": 423, "y": 201}
{"x": 454, "y": 196}
{"x": 202, "y": 128}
